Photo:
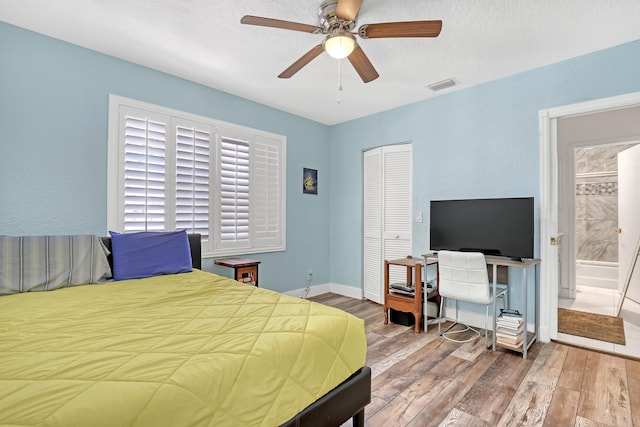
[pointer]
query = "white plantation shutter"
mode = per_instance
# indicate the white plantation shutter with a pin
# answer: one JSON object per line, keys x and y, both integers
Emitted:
{"x": 234, "y": 192}
{"x": 145, "y": 144}
{"x": 193, "y": 164}
{"x": 171, "y": 170}
{"x": 267, "y": 161}
{"x": 252, "y": 192}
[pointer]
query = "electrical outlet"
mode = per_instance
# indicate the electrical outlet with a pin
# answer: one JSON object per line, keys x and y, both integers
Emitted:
{"x": 309, "y": 275}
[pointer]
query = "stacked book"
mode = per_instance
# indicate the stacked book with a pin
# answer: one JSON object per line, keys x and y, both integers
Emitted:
{"x": 510, "y": 329}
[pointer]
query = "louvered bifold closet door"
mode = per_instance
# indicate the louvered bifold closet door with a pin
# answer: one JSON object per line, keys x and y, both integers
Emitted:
{"x": 387, "y": 218}
{"x": 234, "y": 193}
{"x": 372, "y": 216}
{"x": 397, "y": 207}
{"x": 193, "y": 171}
{"x": 145, "y": 174}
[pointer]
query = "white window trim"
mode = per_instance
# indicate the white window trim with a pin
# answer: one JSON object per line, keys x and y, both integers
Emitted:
{"x": 114, "y": 181}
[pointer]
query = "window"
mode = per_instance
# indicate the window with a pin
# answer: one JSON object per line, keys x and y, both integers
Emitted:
{"x": 170, "y": 170}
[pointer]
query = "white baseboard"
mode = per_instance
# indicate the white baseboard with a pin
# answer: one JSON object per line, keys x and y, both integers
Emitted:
{"x": 347, "y": 291}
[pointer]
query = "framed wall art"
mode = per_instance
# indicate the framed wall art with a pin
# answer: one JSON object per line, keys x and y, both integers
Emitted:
{"x": 309, "y": 181}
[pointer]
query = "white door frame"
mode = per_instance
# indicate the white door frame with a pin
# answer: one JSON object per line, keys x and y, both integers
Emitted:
{"x": 549, "y": 200}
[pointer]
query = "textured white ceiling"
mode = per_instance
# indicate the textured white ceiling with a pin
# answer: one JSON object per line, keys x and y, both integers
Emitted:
{"x": 203, "y": 41}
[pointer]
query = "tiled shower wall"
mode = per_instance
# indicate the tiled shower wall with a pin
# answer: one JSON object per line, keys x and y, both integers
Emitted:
{"x": 597, "y": 202}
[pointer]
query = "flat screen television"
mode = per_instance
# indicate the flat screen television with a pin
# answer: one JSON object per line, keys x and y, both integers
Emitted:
{"x": 500, "y": 227}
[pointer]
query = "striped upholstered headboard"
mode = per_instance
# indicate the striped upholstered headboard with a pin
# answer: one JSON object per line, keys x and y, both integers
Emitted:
{"x": 45, "y": 263}
{"x": 194, "y": 243}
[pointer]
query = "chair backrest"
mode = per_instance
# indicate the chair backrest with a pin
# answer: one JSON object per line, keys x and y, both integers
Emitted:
{"x": 463, "y": 276}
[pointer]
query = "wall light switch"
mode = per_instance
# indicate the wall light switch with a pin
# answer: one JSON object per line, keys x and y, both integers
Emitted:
{"x": 419, "y": 216}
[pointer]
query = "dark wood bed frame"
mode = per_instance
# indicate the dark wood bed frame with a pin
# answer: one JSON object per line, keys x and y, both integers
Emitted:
{"x": 347, "y": 400}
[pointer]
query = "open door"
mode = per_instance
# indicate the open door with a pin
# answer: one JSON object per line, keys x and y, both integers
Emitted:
{"x": 549, "y": 267}
{"x": 628, "y": 224}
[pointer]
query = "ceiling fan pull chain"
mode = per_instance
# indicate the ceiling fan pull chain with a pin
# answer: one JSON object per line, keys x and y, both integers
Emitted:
{"x": 339, "y": 79}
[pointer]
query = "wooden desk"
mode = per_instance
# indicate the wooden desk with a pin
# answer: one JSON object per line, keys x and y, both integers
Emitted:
{"x": 495, "y": 262}
{"x": 405, "y": 303}
{"x": 244, "y": 270}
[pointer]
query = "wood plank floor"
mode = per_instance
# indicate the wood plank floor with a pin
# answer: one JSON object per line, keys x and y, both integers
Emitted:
{"x": 424, "y": 380}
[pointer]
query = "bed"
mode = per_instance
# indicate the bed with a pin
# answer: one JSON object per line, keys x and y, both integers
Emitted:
{"x": 188, "y": 349}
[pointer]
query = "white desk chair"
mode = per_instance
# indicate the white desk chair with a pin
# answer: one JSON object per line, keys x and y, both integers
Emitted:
{"x": 463, "y": 276}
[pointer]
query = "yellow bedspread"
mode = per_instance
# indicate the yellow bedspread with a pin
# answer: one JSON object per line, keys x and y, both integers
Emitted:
{"x": 192, "y": 349}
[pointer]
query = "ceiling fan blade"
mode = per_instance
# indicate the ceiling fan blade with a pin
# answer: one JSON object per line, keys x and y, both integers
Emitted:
{"x": 301, "y": 62}
{"x": 362, "y": 65}
{"x": 348, "y": 9}
{"x": 401, "y": 29}
{"x": 277, "y": 23}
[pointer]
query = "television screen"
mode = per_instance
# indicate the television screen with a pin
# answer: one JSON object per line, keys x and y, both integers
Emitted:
{"x": 502, "y": 227}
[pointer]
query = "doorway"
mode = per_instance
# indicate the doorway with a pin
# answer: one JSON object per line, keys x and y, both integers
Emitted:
{"x": 590, "y": 282}
{"x": 605, "y": 121}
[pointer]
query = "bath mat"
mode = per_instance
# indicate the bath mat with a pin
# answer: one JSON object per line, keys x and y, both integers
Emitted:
{"x": 590, "y": 325}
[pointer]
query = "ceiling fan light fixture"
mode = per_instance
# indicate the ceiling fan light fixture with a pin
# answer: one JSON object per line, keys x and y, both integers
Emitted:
{"x": 339, "y": 44}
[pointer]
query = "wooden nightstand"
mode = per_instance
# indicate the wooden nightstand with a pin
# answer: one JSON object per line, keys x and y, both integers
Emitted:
{"x": 244, "y": 270}
{"x": 401, "y": 302}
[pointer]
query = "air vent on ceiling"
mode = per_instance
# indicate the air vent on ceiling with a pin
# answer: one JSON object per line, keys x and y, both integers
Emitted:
{"x": 441, "y": 85}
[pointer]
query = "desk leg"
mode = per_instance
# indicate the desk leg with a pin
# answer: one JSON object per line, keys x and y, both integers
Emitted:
{"x": 386, "y": 292}
{"x": 495, "y": 308}
{"x": 525, "y": 342}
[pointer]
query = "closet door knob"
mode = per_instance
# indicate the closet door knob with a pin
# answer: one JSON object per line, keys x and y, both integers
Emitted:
{"x": 618, "y": 230}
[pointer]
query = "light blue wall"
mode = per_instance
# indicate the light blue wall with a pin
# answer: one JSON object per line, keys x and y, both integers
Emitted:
{"x": 53, "y": 146}
{"x": 478, "y": 142}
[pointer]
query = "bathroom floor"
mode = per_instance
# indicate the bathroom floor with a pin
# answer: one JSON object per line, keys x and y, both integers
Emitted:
{"x": 605, "y": 301}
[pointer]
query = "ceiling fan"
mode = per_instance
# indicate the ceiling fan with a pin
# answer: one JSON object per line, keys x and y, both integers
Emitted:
{"x": 337, "y": 21}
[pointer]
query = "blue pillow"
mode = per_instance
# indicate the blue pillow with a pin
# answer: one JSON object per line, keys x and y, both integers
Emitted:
{"x": 150, "y": 253}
